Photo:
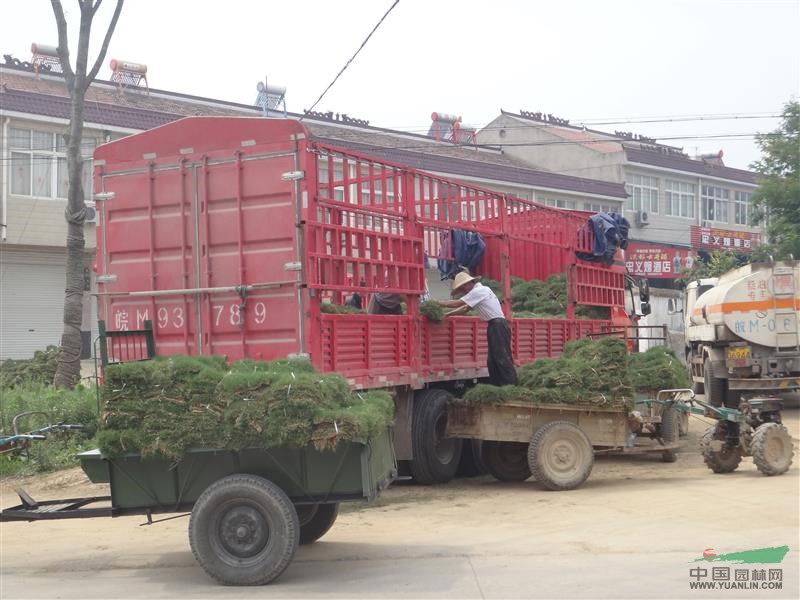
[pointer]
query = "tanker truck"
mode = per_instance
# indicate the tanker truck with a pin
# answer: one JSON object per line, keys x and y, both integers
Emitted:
{"x": 741, "y": 332}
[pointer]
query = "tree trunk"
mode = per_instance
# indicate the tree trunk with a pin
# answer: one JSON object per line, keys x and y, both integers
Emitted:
{"x": 68, "y": 371}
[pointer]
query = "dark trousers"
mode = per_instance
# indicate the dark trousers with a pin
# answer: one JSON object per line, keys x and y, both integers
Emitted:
{"x": 500, "y": 360}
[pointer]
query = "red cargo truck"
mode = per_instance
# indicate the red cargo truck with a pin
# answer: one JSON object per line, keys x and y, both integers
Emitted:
{"x": 228, "y": 234}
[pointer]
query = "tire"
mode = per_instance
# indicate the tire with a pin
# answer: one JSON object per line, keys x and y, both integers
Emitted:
{"x": 772, "y": 449}
{"x": 506, "y": 461}
{"x": 315, "y": 520}
{"x": 560, "y": 456}
{"x": 244, "y": 530}
{"x": 683, "y": 424}
{"x": 669, "y": 432}
{"x": 725, "y": 460}
{"x": 436, "y": 458}
{"x": 715, "y": 389}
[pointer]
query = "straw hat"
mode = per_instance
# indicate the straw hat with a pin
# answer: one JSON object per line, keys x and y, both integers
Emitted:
{"x": 461, "y": 279}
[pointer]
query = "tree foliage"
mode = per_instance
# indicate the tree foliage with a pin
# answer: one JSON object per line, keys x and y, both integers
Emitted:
{"x": 719, "y": 262}
{"x": 777, "y": 199}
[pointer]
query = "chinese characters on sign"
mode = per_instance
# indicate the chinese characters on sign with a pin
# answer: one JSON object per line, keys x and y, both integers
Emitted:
{"x": 657, "y": 261}
{"x": 712, "y": 238}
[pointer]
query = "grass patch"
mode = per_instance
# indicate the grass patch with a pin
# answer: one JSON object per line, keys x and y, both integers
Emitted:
{"x": 58, "y": 451}
{"x": 163, "y": 406}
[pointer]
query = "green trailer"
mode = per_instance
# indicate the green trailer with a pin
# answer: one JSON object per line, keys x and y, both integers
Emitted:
{"x": 249, "y": 509}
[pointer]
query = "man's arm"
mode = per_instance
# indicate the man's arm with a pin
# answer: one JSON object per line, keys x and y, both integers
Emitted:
{"x": 458, "y": 311}
{"x": 452, "y": 303}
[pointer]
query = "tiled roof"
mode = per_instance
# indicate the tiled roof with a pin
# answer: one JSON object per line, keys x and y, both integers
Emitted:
{"x": 682, "y": 163}
{"x": 107, "y": 105}
{"x": 482, "y": 169}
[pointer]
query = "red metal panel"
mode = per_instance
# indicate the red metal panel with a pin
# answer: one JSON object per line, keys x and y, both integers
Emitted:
{"x": 205, "y": 208}
{"x": 203, "y": 204}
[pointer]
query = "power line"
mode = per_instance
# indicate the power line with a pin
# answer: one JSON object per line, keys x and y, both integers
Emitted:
{"x": 347, "y": 64}
{"x": 577, "y": 123}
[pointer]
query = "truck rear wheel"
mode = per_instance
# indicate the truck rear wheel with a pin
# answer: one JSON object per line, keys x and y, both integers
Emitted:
{"x": 435, "y": 457}
{"x": 772, "y": 449}
{"x": 506, "y": 461}
{"x": 669, "y": 432}
{"x": 315, "y": 520}
{"x": 714, "y": 388}
{"x": 724, "y": 460}
{"x": 244, "y": 530}
{"x": 560, "y": 456}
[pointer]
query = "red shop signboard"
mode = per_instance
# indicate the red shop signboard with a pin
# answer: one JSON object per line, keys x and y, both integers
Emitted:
{"x": 657, "y": 261}
{"x": 713, "y": 238}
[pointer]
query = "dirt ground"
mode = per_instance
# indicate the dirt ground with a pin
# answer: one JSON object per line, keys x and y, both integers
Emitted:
{"x": 632, "y": 531}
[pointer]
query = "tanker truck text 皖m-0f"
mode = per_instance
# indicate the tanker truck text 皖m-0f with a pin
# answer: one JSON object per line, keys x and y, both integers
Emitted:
{"x": 741, "y": 332}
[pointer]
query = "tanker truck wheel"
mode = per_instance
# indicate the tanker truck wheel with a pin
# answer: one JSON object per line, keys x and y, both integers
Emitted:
{"x": 772, "y": 449}
{"x": 506, "y": 461}
{"x": 315, "y": 520}
{"x": 718, "y": 456}
{"x": 244, "y": 530}
{"x": 436, "y": 457}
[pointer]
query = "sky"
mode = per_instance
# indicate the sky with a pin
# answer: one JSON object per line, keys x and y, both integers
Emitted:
{"x": 591, "y": 62}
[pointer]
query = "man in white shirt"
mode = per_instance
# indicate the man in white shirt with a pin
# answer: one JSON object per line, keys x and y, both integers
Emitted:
{"x": 498, "y": 332}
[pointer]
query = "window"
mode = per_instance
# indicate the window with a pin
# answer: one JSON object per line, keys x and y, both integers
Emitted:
{"x": 39, "y": 164}
{"x": 741, "y": 208}
{"x": 599, "y": 208}
{"x": 643, "y": 193}
{"x": 714, "y": 204}
{"x": 560, "y": 203}
{"x": 679, "y": 198}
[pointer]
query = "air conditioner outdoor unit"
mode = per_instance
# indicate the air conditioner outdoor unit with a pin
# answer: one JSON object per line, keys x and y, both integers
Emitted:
{"x": 91, "y": 212}
{"x": 642, "y": 218}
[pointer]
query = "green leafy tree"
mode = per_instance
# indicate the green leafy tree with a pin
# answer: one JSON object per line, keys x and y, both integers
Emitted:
{"x": 777, "y": 199}
{"x": 720, "y": 261}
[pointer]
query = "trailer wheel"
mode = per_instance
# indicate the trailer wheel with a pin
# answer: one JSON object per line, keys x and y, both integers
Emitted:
{"x": 772, "y": 449}
{"x": 315, "y": 520}
{"x": 243, "y": 530}
{"x": 506, "y": 461}
{"x": 560, "y": 456}
{"x": 669, "y": 432}
{"x": 714, "y": 388}
{"x": 436, "y": 457}
{"x": 724, "y": 460}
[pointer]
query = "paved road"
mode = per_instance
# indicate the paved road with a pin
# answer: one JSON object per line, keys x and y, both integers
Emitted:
{"x": 632, "y": 531}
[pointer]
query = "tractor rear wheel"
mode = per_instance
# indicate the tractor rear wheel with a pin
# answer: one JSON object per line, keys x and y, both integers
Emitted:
{"x": 772, "y": 449}
{"x": 669, "y": 432}
{"x": 724, "y": 460}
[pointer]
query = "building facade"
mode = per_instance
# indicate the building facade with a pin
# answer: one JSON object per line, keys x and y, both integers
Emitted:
{"x": 678, "y": 206}
{"x": 34, "y": 108}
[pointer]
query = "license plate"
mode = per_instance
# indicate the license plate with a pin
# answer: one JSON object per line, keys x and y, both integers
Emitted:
{"x": 738, "y": 352}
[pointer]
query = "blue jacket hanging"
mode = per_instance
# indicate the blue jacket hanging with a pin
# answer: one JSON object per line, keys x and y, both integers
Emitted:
{"x": 468, "y": 248}
{"x": 610, "y": 232}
